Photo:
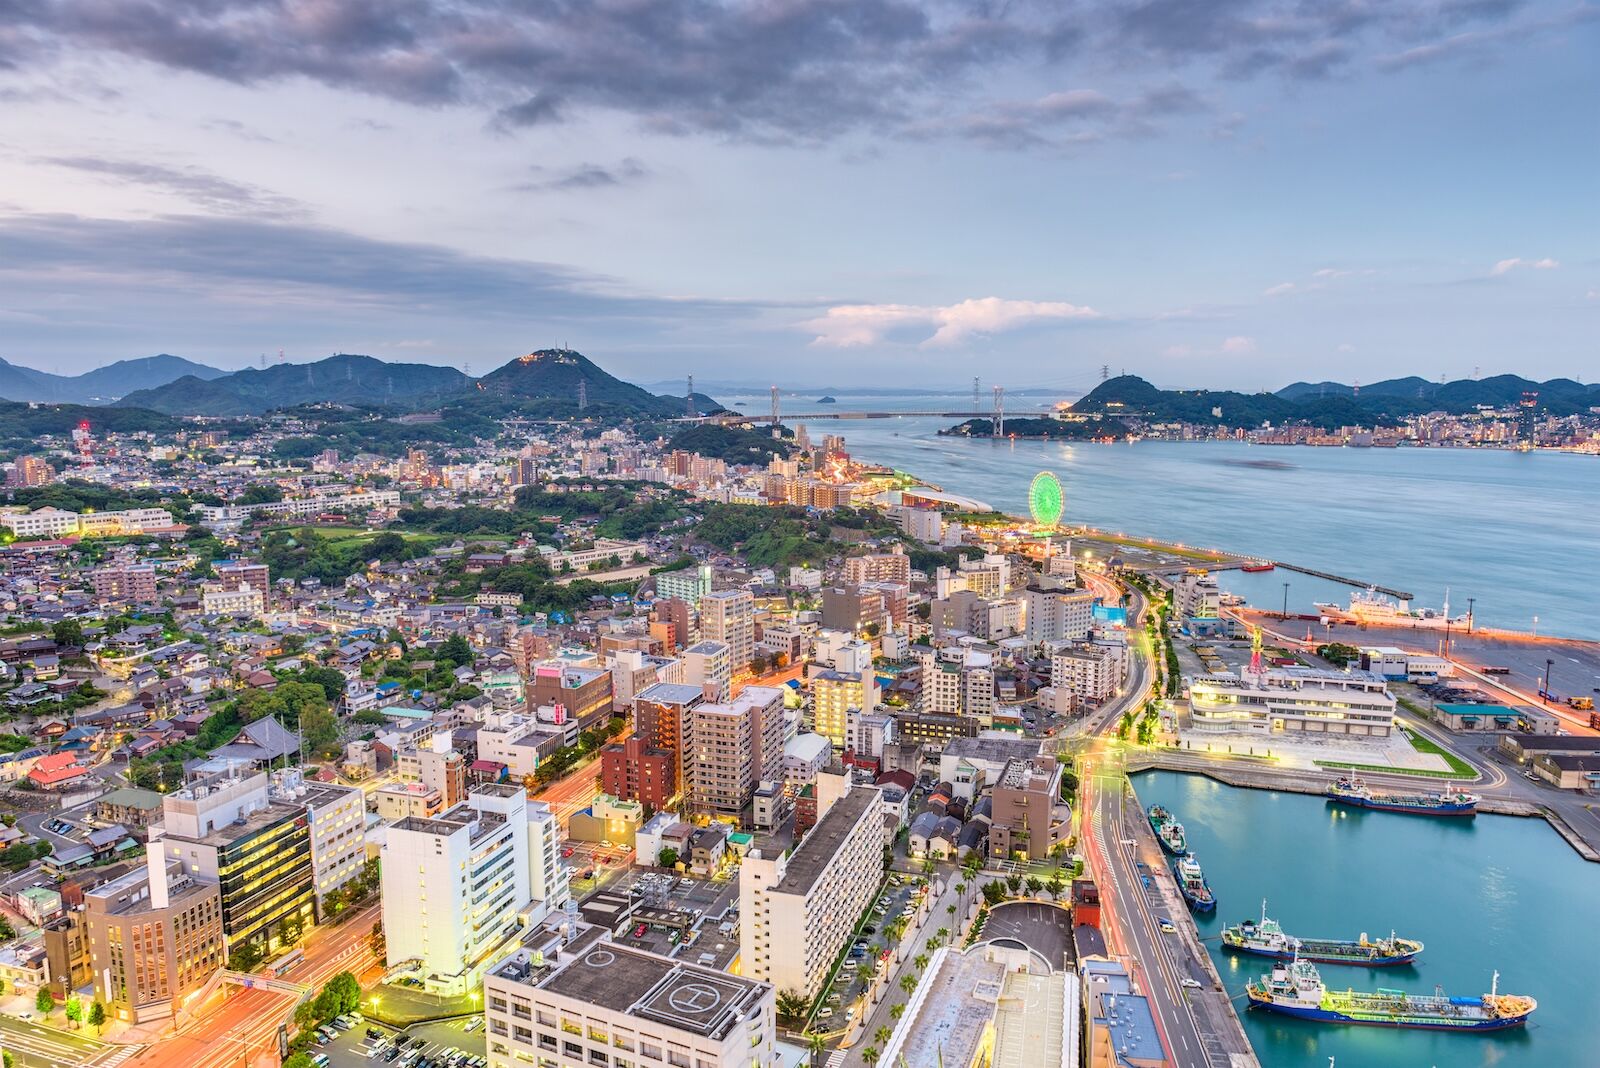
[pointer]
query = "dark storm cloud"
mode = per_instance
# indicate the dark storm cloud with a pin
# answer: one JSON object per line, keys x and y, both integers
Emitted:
{"x": 782, "y": 71}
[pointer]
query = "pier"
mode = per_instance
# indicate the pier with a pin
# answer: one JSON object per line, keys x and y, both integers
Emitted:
{"x": 1357, "y": 583}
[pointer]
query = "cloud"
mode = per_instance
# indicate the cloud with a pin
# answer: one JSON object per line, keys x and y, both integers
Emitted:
{"x": 1238, "y": 346}
{"x": 854, "y": 325}
{"x": 783, "y": 71}
{"x": 1507, "y": 266}
{"x": 199, "y": 187}
{"x": 583, "y": 176}
{"x": 1279, "y": 290}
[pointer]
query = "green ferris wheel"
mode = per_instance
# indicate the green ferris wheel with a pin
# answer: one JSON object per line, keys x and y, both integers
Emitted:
{"x": 1045, "y": 500}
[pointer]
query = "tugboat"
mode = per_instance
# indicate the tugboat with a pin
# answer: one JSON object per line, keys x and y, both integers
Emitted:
{"x": 1352, "y": 791}
{"x": 1192, "y": 883}
{"x": 1169, "y": 832}
{"x": 1264, "y": 938}
{"x": 1295, "y": 989}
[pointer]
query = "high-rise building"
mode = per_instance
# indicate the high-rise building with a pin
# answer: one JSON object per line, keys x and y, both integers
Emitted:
{"x": 834, "y": 694}
{"x": 155, "y": 937}
{"x": 584, "y": 692}
{"x": 1028, "y": 818}
{"x": 689, "y": 584}
{"x": 729, "y": 616}
{"x": 455, "y": 885}
{"x": 31, "y": 471}
{"x": 797, "y": 910}
{"x": 236, "y": 575}
{"x": 635, "y": 770}
{"x": 1057, "y": 615}
{"x": 892, "y": 566}
{"x": 572, "y": 998}
{"x": 732, "y": 747}
{"x": 1090, "y": 672}
{"x": 709, "y": 665}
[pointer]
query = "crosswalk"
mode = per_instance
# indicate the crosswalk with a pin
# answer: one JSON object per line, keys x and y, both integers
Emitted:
{"x": 114, "y": 1056}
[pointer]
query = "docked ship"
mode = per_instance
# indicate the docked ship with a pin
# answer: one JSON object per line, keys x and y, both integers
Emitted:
{"x": 1169, "y": 832}
{"x": 1264, "y": 938}
{"x": 1295, "y": 989}
{"x": 1257, "y": 566}
{"x": 1354, "y": 792}
{"x": 1371, "y": 607}
{"x": 1192, "y": 883}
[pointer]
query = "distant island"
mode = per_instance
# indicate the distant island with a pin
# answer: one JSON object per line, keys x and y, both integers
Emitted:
{"x": 1043, "y": 429}
{"x": 828, "y": 400}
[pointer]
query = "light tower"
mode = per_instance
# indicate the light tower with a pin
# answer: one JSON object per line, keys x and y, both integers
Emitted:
{"x": 775, "y": 417}
{"x": 999, "y": 411}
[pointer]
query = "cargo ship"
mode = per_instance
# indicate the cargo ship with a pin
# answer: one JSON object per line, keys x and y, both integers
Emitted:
{"x": 1295, "y": 989}
{"x": 1372, "y": 607}
{"x": 1192, "y": 883}
{"x": 1258, "y": 565}
{"x": 1352, "y": 791}
{"x": 1169, "y": 832}
{"x": 1264, "y": 938}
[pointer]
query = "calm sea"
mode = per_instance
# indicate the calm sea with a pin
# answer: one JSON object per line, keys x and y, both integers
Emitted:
{"x": 1491, "y": 893}
{"x": 1514, "y": 531}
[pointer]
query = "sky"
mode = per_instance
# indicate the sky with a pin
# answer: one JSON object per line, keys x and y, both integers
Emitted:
{"x": 1223, "y": 193}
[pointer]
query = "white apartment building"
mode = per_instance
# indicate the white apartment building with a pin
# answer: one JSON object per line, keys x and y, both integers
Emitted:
{"x": 600, "y": 553}
{"x": 1091, "y": 672}
{"x": 577, "y": 1000}
{"x": 729, "y": 616}
{"x": 866, "y": 733}
{"x": 457, "y": 888}
{"x": 341, "y": 499}
{"x": 338, "y": 818}
{"x": 244, "y": 601}
{"x": 1310, "y": 700}
{"x": 797, "y": 910}
{"x": 709, "y": 665}
{"x": 690, "y": 584}
{"x": 892, "y": 566}
{"x": 1057, "y": 615}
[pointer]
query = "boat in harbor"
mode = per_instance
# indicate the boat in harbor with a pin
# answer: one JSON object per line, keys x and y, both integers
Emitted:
{"x": 1169, "y": 832}
{"x": 1192, "y": 883}
{"x": 1369, "y": 607}
{"x": 1257, "y": 565}
{"x": 1296, "y": 989}
{"x": 1355, "y": 792}
{"x": 1265, "y": 938}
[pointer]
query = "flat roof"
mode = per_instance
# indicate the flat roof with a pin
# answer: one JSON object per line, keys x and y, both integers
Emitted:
{"x": 669, "y": 693}
{"x": 807, "y": 863}
{"x": 954, "y": 1013}
{"x": 1045, "y": 929}
{"x": 1030, "y": 1022}
{"x": 638, "y": 983}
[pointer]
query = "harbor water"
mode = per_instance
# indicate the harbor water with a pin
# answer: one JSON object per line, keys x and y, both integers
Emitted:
{"x": 1515, "y": 531}
{"x": 1495, "y": 892}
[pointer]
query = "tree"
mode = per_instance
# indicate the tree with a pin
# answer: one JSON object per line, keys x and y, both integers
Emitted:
{"x": 302, "y": 1059}
{"x": 1014, "y": 882}
{"x": 346, "y": 991}
{"x": 456, "y": 650}
{"x": 667, "y": 858}
{"x": 44, "y": 1002}
{"x": 320, "y": 729}
{"x": 908, "y": 983}
{"x": 68, "y": 632}
{"x": 871, "y": 1055}
{"x": 816, "y": 1045}
{"x": 305, "y": 1016}
{"x": 1035, "y": 884}
{"x": 881, "y": 1035}
{"x": 897, "y": 1010}
{"x": 97, "y": 1017}
{"x": 74, "y": 1009}
{"x": 792, "y": 1004}
{"x": 921, "y": 961}
{"x": 994, "y": 892}
{"x": 245, "y": 957}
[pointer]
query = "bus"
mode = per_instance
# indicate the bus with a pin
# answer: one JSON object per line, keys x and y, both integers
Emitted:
{"x": 278, "y": 968}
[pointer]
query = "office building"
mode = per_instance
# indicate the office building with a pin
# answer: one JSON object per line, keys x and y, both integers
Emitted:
{"x": 577, "y": 1000}
{"x": 155, "y": 937}
{"x": 1089, "y": 672}
{"x": 585, "y": 692}
{"x": 338, "y": 818}
{"x": 1028, "y": 818}
{"x": 461, "y": 885}
{"x": 797, "y": 910}
{"x": 1051, "y": 615}
{"x": 1307, "y": 700}
{"x": 729, "y": 616}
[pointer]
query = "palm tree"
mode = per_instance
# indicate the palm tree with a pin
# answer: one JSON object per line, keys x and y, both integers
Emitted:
{"x": 881, "y": 1035}
{"x": 816, "y": 1045}
{"x": 942, "y": 933}
{"x": 951, "y": 909}
{"x": 792, "y": 1004}
{"x": 921, "y": 961}
{"x": 897, "y": 1010}
{"x": 931, "y": 944}
{"x": 908, "y": 983}
{"x": 871, "y": 1055}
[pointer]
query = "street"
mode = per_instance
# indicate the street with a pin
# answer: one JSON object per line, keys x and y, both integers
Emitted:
{"x": 35, "y": 1046}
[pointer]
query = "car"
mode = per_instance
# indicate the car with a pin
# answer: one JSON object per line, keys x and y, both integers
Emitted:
{"x": 1167, "y": 928}
{"x": 1192, "y": 984}
{"x": 320, "y": 1060}
{"x": 824, "y": 1012}
{"x": 392, "y": 1054}
{"x": 638, "y": 932}
{"x": 418, "y": 1043}
{"x": 834, "y": 999}
{"x": 373, "y": 1032}
{"x": 474, "y": 1023}
{"x": 869, "y": 929}
{"x": 567, "y": 852}
{"x": 587, "y": 873}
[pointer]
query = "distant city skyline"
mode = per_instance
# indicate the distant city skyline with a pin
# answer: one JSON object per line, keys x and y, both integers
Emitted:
{"x": 1236, "y": 195}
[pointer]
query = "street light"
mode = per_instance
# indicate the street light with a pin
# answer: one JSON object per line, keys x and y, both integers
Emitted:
{"x": 1545, "y": 693}
{"x": 1285, "y": 600}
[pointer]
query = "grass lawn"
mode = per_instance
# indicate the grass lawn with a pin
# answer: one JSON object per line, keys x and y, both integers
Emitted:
{"x": 1459, "y": 768}
{"x": 1385, "y": 769}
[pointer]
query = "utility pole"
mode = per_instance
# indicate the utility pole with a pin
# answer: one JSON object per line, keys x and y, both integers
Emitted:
{"x": 1545, "y": 693}
{"x": 999, "y": 411}
{"x": 775, "y": 416}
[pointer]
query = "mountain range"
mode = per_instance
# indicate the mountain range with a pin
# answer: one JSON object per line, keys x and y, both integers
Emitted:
{"x": 103, "y": 384}
{"x": 546, "y": 382}
{"x": 1333, "y": 404}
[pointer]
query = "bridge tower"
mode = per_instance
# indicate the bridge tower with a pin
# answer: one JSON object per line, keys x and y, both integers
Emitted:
{"x": 999, "y": 411}
{"x": 775, "y": 416}
{"x": 688, "y": 399}
{"x": 975, "y": 394}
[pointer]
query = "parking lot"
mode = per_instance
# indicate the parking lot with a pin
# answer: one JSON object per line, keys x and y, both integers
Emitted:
{"x": 851, "y": 979}
{"x": 424, "y": 1045}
